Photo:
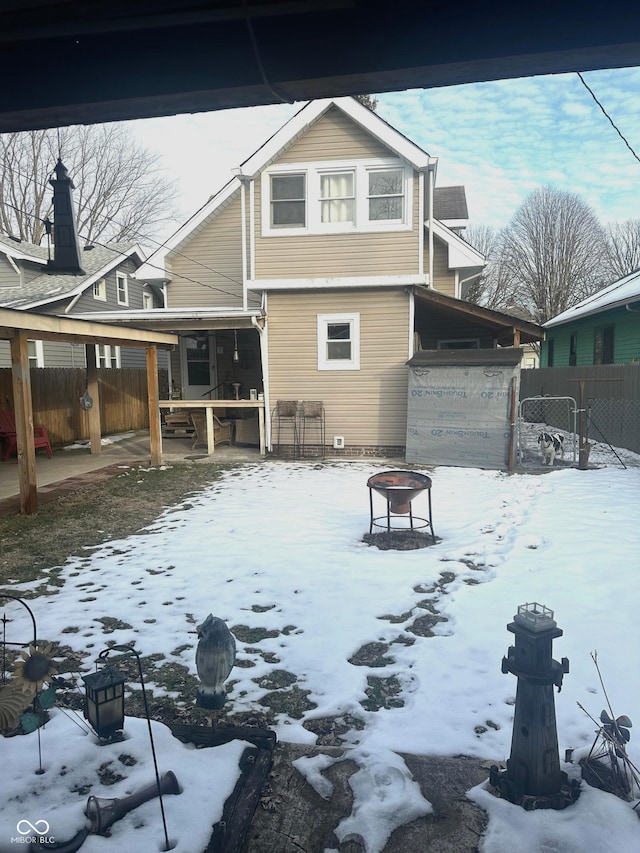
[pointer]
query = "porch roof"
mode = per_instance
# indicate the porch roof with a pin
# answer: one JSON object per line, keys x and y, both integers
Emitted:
{"x": 182, "y": 319}
{"x": 48, "y": 327}
{"x": 504, "y": 327}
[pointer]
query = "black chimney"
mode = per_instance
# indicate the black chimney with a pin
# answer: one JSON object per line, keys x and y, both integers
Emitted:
{"x": 66, "y": 248}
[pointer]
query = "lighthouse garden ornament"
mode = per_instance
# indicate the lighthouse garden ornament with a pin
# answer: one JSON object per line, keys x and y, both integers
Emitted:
{"x": 533, "y": 778}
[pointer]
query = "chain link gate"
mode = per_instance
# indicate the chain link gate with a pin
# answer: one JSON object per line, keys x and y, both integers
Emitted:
{"x": 546, "y": 414}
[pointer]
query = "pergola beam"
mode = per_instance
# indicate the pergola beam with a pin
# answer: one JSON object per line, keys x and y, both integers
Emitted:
{"x": 18, "y": 327}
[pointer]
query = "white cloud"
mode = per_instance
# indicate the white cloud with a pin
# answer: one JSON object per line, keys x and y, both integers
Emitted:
{"x": 500, "y": 139}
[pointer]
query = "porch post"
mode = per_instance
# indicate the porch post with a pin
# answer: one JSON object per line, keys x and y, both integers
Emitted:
{"x": 23, "y": 411}
{"x": 153, "y": 396}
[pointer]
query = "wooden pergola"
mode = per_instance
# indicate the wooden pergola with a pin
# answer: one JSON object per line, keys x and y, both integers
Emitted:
{"x": 18, "y": 327}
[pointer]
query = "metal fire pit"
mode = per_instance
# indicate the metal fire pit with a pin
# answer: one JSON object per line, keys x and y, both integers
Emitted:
{"x": 399, "y": 488}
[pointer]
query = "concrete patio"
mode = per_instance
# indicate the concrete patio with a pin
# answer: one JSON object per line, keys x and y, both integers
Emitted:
{"x": 68, "y": 467}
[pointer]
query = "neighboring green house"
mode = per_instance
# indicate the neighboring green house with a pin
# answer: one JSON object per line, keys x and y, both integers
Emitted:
{"x": 602, "y": 329}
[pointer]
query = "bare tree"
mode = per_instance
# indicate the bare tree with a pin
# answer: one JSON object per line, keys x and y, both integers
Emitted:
{"x": 623, "y": 247}
{"x": 368, "y": 101}
{"x": 551, "y": 254}
{"x": 482, "y": 290}
{"x": 121, "y": 192}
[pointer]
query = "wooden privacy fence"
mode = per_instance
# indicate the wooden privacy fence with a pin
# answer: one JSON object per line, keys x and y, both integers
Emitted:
{"x": 614, "y": 381}
{"x": 56, "y": 393}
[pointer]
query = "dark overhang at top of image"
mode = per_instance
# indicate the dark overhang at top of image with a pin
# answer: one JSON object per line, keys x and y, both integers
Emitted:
{"x": 77, "y": 62}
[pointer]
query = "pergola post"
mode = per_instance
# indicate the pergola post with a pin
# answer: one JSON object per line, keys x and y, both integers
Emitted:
{"x": 23, "y": 411}
{"x": 153, "y": 395}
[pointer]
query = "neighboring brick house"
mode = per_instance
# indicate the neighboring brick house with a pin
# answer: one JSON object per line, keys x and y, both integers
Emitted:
{"x": 319, "y": 269}
{"x": 604, "y": 328}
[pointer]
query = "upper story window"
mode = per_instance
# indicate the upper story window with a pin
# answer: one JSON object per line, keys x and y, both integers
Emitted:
{"x": 122, "y": 288}
{"x": 288, "y": 201}
{"x": 100, "y": 290}
{"x": 336, "y": 197}
{"x": 386, "y": 195}
{"x": 147, "y": 300}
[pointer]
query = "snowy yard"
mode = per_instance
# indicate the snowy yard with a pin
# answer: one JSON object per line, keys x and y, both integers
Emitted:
{"x": 278, "y": 546}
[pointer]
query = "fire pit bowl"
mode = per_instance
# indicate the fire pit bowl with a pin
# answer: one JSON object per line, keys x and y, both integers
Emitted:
{"x": 399, "y": 488}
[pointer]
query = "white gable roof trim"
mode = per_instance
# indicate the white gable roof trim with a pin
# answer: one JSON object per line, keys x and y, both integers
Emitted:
{"x": 622, "y": 292}
{"x": 363, "y": 116}
{"x": 269, "y": 151}
{"x": 461, "y": 253}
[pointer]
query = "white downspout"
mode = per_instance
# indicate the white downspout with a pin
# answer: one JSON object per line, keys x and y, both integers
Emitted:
{"x": 264, "y": 355}
{"x": 430, "y": 203}
{"x": 243, "y": 219}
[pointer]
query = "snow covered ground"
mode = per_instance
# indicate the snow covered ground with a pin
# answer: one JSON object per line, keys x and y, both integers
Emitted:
{"x": 280, "y": 546}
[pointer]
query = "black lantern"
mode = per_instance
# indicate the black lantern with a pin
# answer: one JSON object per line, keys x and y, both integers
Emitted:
{"x": 104, "y": 701}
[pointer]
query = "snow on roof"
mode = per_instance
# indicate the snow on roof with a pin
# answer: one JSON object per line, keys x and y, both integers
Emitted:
{"x": 621, "y": 292}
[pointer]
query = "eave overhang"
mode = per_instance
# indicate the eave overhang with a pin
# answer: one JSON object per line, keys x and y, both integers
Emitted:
{"x": 502, "y": 326}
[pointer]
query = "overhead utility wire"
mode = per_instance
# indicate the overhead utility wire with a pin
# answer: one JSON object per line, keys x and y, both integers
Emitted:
{"x": 612, "y": 123}
{"x": 148, "y": 263}
{"x": 147, "y": 238}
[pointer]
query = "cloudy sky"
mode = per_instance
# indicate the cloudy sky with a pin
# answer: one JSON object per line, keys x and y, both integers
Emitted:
{"x": 500, "y": 139}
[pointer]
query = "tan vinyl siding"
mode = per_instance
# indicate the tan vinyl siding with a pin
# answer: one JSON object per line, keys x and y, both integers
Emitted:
{"x": 207, "y": 270}
{"x": 444, "y": 279}
{"x": 337, "y": 255}
{"x": 334, "y": 137}
{"x": 366, "y": 406}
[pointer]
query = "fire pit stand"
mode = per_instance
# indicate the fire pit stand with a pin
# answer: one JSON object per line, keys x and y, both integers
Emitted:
{"x": 399, "y": 488}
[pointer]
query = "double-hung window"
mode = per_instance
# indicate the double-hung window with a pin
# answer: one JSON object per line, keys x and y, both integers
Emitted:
{"x": 100, "y": 290}
{"x": 107, "y": 356}
{"x": 336, "y": 197}
{"x": 339, "y": 341}
{"x": 386, "y": 195}
{"x": 36, "y": 353}
{"x": 122, "y": 288}
{"x": 288, "y": 201}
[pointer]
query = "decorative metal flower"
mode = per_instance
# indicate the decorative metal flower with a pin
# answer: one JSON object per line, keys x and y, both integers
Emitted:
{"x": 35, "y": 669}
{"x": 14, "y": 698}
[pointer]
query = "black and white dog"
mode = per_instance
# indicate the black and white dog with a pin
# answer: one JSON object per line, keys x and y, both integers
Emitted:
{"x": 551, "y": 444}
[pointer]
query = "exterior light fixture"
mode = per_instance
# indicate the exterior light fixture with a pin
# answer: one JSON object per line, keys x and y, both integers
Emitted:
{"x": 236, "y": 355}
{"x": 104, "y": 701}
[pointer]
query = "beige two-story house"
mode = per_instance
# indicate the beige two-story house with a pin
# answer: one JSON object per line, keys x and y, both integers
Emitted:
{"x": 318, "y": 271}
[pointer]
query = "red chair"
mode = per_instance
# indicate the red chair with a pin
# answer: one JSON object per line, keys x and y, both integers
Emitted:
{"x": 9, "y": 436}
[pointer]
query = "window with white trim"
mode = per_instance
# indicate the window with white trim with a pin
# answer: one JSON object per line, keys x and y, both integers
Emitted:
{"x": 335, "y": 196}
{"x": 288, "y": 201}
{"x": 122, "y": 288}
{"x": 386, "y": 195}
{"x": 100, "y": 290}
{"x": 107, "y": 356}
{"x": 339, "y": 341}
{"x": 147, "y": 300}
{"x": 36, "y": 353}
